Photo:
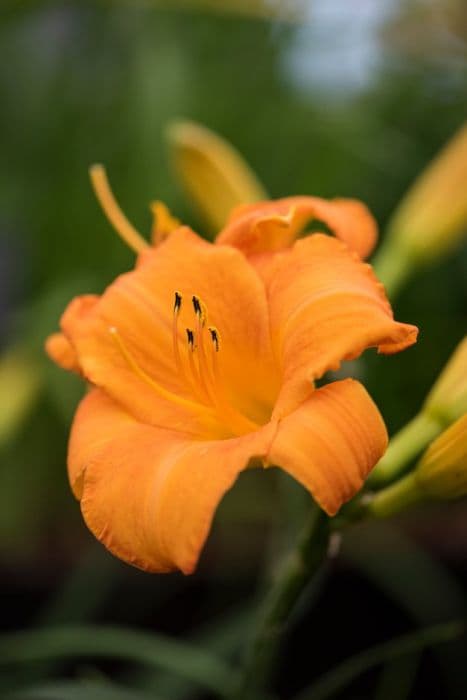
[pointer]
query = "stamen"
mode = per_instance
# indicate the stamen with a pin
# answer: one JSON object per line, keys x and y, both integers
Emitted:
{"x": 163, "y": 393}
{"x": 204, "y": 375}
{"x": 196, "y": 304}
{"x": 177, "y": 302}
{"x": 236, "y": 419}
{"x": 176, "y": 350}
{"x": 200, "y": 310}
{"x": 112, "y": 210}
{"x": 195, "y": 376}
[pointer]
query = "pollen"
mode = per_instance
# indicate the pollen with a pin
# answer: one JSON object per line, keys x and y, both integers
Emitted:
{"x": 214, "y": 337}
{"x": 177, "y": 302}
{"x": 200, "y": 309}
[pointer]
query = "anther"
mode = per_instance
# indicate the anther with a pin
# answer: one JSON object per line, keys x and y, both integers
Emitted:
{"x": 214, "y": 337}
{"x": 191, "y": 338}
{"x": 199, "y": 309}
{"x": 177, "y": 302}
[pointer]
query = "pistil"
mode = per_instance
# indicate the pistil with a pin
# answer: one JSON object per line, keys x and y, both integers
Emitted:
{"x": 109, "y": 204}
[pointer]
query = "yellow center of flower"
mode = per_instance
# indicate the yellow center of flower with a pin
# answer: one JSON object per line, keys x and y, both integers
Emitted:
{"x": 197, "y": 366}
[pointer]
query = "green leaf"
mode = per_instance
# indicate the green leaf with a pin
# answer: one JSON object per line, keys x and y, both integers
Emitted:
{"x": 93, "y": 641}
{"x": 417, "y": 582}
{"x": 340, "y": 676}
{"x": 79, "y": 690}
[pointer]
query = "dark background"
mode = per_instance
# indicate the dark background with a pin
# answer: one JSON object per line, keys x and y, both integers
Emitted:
{"x": 353, "y": 99}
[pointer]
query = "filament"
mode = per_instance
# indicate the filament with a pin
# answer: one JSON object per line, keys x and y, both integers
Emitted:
{"x": 176, "y": 350}
{"x": 236, "y": 419}
{"x": 163, "y": 393}
{"x": 200, "y": 370}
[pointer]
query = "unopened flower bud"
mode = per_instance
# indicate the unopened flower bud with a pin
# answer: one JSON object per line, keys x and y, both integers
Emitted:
{"x": 445, "y": 403}
{"x": 432, "y": 217}
{"x": 447, "y": 400}
{"x": 215, "y": 176}
{"x": 442, "y": 471}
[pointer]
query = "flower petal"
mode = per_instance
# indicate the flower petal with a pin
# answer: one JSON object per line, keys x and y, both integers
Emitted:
{"x": 272, "y": 226}
{"x": 331, "y": 442}
{"x": 61, "y": 351}
{"x": 149, "y": 494}
{"x": 326, "y": 306}
{"x": 139, "y": 306}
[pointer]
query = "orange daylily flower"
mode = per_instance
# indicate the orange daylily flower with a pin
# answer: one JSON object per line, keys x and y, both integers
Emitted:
{"x": 200, "y": 367}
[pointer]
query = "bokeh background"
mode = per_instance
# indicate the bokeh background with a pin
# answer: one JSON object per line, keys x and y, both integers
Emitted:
{"x": 323, "y": 97}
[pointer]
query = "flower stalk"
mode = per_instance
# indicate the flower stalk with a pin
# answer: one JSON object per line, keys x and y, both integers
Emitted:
{"x": 405, "y": 446}
{"x": 299, "y": 569}
{"x": 399, "y": 496}
{"x": 445, "y": 403}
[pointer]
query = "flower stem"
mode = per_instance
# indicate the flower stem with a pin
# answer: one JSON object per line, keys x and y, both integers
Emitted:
{"x": 404, "y": 446}
{"x": 396, "y": 497}
{"x": 298, "y": 570}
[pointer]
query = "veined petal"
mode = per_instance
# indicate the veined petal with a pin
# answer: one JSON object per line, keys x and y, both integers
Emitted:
{"x": 149, "y": 495}
{"x": 331, "y": 442}
{"x": 139, "y": 307}
{"x": 271, "y": 226}
{"x": 326, "y": 306}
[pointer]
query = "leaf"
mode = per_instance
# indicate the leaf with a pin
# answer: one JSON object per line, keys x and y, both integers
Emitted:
{"x": 417, "y": 582}
{"x": 340, "y": 676}
{"x": 94, "y": 641}
{"x": 79, "y": 690}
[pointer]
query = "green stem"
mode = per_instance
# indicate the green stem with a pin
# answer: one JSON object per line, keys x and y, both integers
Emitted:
{"x": 404, "y": 446}
{"x": 299, "y": 569}
{"x": 396, "y": 497}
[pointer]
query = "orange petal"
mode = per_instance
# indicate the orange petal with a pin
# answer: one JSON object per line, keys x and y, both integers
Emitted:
{"x": 272, "y": 226}
{"x": 331, "y": 442}
{"x": 149, "y": 494}
{"x": 139, "y": 305}
{"x": 326, "y": 306}
{"x": 61, "y": 351}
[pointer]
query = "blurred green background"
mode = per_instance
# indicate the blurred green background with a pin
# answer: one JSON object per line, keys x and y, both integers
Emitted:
{"x": 322, "y": 97}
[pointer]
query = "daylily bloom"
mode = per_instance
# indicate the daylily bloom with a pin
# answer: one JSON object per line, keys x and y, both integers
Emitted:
{"x": 200, "y": 366}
